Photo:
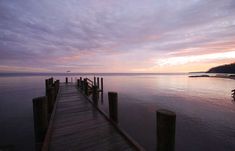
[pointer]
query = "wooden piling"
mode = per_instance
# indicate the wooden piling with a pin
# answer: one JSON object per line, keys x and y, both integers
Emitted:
{"x": 46, "y": 84}
{"x": 78, "y": 83}
{"x": 51, "y": 81}
{"x": 51, "y": 98}
{"x": 101, "y": 82}
{"x": 57, "y": 86}
{"x": 95, "y": 95}
{"x": 113, "y": 106}
{"x": 40, "y": 117}
{"x": 81, "y": 86}
{"x": 94, "y": 81}
{"x": 86, "y": 86}
{"x": 98, "y": 82}
{"x": 102, "y": 92}
{"x": 66, "y": 80}
{"x": 165, "y": 130}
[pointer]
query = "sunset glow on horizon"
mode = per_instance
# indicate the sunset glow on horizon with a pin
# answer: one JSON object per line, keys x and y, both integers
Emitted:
{"x": 116, "y": 36}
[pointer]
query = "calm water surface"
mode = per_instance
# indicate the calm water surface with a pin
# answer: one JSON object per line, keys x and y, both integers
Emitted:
{"x": 204, "y": 107}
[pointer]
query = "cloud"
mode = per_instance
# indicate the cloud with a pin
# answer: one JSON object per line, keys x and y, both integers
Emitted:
{"x": 59, "y": 33}
{"x": 21, "y": 69}
{"x": 196, "y": 58}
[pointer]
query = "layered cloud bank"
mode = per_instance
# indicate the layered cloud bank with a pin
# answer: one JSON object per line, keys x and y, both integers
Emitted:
{"x": 116, "y": 36}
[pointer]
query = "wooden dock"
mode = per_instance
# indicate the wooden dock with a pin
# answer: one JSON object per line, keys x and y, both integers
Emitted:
{"x": 77, "y": 125}
{"x": 65, "y": 119}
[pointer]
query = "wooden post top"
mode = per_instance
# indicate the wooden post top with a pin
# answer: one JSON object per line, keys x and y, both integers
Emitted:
{"x": 40, "y": 98}
{"x": 112, "y": 93}
{"x": 166, "y": 112}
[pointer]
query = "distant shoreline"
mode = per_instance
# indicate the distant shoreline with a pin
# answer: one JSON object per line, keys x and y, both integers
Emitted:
{"x": 231, "y": 76}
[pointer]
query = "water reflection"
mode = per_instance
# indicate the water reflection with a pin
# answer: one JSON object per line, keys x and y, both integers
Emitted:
{"x": 233, "y": 95}
{"x": 205, "y": 114}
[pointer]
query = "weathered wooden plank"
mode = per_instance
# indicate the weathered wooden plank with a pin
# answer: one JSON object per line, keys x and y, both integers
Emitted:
{"x": 79, "y": 126}
{"x": 89, "y": 142}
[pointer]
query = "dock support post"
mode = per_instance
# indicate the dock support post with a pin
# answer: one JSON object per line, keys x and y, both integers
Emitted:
{"x": 66, "y": 80}
{"x": 57, "y": 86}
{"x": 94, "y": 81}
{"x": 86, "y": 86}
{"x": 51, "y": 98}
{"x": 46, "y": 84}
{"x": 40, "y": 119}
{"x": 165, "y": 130}
{"x": 113, "y": 106}
{"x": 101, "y": 87}
{"x": 78, "y": 83}
{"x": 82, "y": 85}
{"x": 95, "y": 95}
{"x": 98, "y": 82}
{"x": 101, "y": 82}
{"x": 50, "y": 81}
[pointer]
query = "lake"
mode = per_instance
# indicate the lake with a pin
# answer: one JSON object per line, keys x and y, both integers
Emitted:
{"x": 204, "y": 108}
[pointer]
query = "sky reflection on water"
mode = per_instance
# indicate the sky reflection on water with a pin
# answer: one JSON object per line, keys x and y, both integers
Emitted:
{"x": 204, "y": 108}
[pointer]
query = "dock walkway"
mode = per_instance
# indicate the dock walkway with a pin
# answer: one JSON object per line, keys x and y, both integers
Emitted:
{"x": 78, "y": 126}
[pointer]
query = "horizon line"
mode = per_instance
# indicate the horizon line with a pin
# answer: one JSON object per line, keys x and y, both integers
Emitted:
{"x": 89, "y": 73}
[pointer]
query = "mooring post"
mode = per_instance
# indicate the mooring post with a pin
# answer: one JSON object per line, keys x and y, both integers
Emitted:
{"x": 40, "y": 117}
{"x": 86, "y": 86}
{"x": 66, "y": 80}
{"x": 101, "y": 87}
{"x": 51, "y": 98}
{"x": 98, "y": 82}
{"x": 46, "y": 84}
{"x": 101, "y": 82}
{"x": 165, "y": 130}
{"x": 95, "y": 95}
{"x": 54, "y": 94}
{"x": 113, "y": 106}
{"x": 94, "y": 81}
{"x": 55, "y": 87}
{"x": 51, "y": 81}
{"x": 58, "y": 86}
{"x": 80, "y": 84}
{"x": 83, "y": 85}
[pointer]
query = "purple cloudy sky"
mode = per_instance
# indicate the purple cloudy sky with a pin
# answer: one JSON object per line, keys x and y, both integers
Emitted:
{"x": 116, "y": 35}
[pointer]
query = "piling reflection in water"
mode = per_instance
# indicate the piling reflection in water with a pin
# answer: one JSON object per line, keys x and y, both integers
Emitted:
{"x": 233, "y": 94}
{"x": 203, "y": 107}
